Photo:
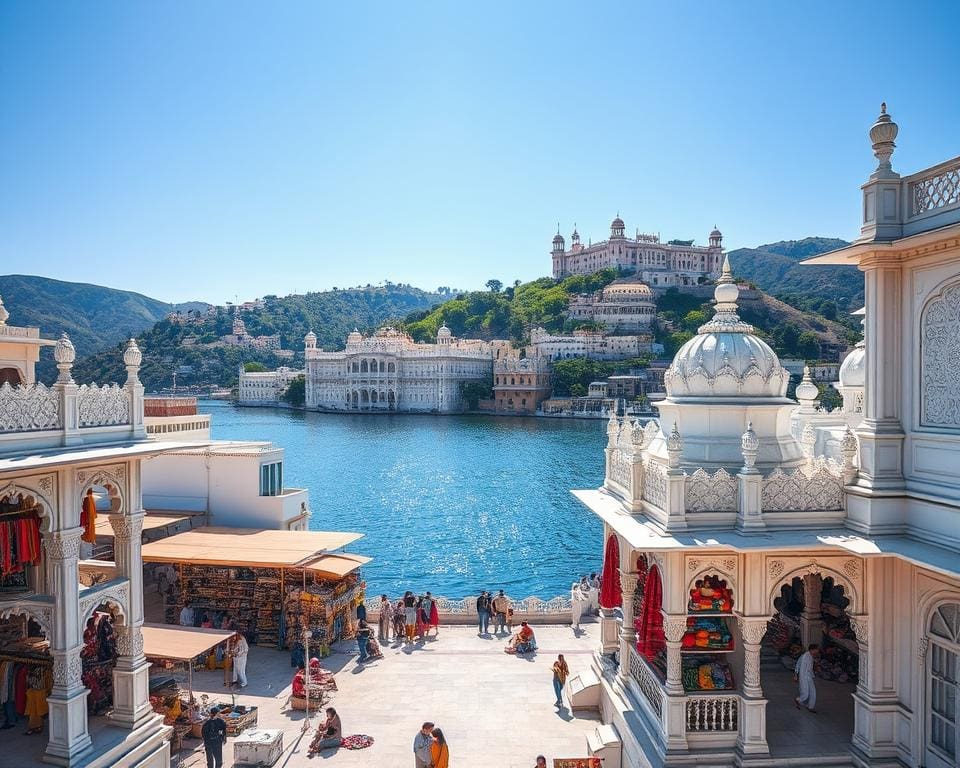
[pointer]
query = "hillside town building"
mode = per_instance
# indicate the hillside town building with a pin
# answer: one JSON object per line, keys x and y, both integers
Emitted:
{"x": 520, "y": 384}
{"x": 595, "y": 345}
{"x": 678, "y": 262}
{"x": 389, "y": 371}
{"x": 622, "y": 306}
{"x": 265, "y": 387}
{"x": 747, "y": 526}
{"x": 240, "y": 337}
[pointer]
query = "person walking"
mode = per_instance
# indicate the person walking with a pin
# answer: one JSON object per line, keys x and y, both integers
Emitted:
{"x": 423, "y": 746}
{"x": 560, "y": 673}
{"x": 500, "y": 607}
{"x": 409, "y": 615}
{"x": 239, "y": 654}
{"x": 439, "y": 751}
{"x": 578, "y": 601}
{"x": 483, "y": 613}
{"x": 363, "y": 639}
{"x": 385, "y": 619}
{"x": 803, "y": 674}
{"x": 214, "y": 735}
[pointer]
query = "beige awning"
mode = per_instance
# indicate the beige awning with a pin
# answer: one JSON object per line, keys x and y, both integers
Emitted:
{"x": 168, "y": 641}
{"x": 251, "y": 547}
{"x": 150, "y": 522}
{"x": 337, "y": 566}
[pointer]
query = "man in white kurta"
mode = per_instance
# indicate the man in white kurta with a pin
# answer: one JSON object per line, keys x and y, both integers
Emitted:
{"x": 578, "y": 602}
{"x": 803, "y": 674}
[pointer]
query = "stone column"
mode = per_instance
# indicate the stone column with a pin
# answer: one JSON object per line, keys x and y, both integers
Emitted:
{"x": 131, "y": 682}
{"x": 675, "y": 504}
{"x": 880, "y": 432}
{"x": 69, "y": 737}
{"x": 811, "y": 620}
{"x": 750, "y": 482}
{"x": 628, "y": 633}
{"x": 752, "y": 738}
{"x": 675, "y": 701}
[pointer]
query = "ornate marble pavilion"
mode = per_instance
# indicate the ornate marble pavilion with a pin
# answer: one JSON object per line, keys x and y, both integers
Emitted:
{"x": 746, "y": 488}
{"x": 56, "y": 443}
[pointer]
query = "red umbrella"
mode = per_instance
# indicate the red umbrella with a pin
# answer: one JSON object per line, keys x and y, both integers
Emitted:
{"x": 650, "y": 638}
{"x": 611, "y": 594}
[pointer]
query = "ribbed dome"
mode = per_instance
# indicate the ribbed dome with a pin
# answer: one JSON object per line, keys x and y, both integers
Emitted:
{"x": 725, "y": 359}
{"x": 616, "y": 290}
{"x": 558, "y": 239}
{"x": 355, "y": 337}
{"x": 853, "y": 371}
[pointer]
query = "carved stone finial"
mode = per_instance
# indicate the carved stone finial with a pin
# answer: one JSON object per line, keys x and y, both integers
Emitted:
{"x": 64, "y": 354}
{"x": 808, "y": 439}
{"x": 4, "y": 315}
{"x": 674, "y": 447}
{"x": 882, "y": 134}
{"x": 749, "y": 447}
{"x": 807, "y": 391}
{"x": 132, "y": 356}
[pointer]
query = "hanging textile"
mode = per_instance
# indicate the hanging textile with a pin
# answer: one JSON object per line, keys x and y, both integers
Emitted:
{"x": 650, "y": 638}
{"x": 19, "y": 543}
{"x": 611, "y": 595}
{"x": 88, "y": 518}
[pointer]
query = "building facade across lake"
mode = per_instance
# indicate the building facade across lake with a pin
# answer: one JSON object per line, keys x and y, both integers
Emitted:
{"x": 389, "y": 371}
{"x": 677, "y": 262}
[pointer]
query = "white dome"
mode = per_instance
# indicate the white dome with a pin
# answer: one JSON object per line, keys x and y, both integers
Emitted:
{"x": 355, "y": 337}
{"x": 725, "y": 359}
{"x": 444, "y": 332}
{"x": 852, "y": 371}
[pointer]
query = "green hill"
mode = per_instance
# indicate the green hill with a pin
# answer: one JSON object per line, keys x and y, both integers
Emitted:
{"x": 194, "y": 349}
{"x": 93, "y": 316}
{"x": 775, "y": 269}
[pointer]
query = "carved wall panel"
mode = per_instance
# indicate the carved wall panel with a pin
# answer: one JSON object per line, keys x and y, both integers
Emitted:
{"x": 28, "y": 408}
{"x": 718, "y": 492}
{"x": 940, "y": 359}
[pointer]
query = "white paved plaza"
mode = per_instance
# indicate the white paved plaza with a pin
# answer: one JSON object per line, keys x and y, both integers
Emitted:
{"x": 495, "y": 709}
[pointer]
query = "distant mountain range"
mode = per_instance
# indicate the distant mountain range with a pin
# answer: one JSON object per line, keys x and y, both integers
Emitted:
{"x": 93, "y": 316}
{"x": 775, "y": 268}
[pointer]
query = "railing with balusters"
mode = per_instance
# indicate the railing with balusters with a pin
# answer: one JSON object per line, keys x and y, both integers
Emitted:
{"x": 712, "y": 714}
{"x": 647, "y": 683}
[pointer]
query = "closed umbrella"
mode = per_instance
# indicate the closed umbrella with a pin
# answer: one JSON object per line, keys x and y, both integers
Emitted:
{"x": 611, "y": 595}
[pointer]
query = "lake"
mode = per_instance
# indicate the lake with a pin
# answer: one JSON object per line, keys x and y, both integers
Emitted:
{"x": 450, "y": 504}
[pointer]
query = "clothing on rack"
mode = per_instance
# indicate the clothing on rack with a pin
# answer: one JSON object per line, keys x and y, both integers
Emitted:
{"x": 19, "y": 542}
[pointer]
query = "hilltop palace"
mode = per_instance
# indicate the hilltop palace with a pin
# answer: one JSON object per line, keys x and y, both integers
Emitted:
{"x": 388, "y": 371}
{"x": 745, "y": 527}
{"x": 661, "y": 265}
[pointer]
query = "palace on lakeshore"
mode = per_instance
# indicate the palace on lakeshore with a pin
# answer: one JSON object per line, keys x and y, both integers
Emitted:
{"x": 660, "y": 265}
{"x": 389, "y": 371}
{"x": 746, "y": 526}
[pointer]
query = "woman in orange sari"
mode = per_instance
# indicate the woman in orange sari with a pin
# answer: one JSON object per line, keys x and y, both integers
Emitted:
{"x": 439, "y": 751}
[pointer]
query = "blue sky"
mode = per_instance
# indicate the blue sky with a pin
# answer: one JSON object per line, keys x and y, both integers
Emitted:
{"x": 217, "y": 150}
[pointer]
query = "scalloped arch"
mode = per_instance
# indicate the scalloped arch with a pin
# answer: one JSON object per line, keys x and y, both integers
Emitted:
{"x": 20, "y": 487}
{"x": 850, "y": 590}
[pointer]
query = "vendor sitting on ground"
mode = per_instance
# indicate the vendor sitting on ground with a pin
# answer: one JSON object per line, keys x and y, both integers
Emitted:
{"x": 320, "y": 677}
{"x": 523, "y": 641}
{"x": 373, "y": 649}
{"x": 329, "y": 733}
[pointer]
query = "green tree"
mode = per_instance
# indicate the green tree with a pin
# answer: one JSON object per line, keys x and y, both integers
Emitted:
{"x": 494, "y": 286}
{"x": 808, "y": 345}
{"x": 254, "y": 367}
{"x": 475, "y": 391}
{"x": 296, "y": 393}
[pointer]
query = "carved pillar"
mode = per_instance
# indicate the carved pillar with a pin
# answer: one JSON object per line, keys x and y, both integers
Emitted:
{"x": 628, "y": 633}
{"x": 131, "y": 682}
{"x": 750, "y": 481}
{"x": 880, "y": 432}
{"x": 675, "y": 701}
{"x": 752, "y": 738}
{"x": 675, "y": 504}
{"x": 811, "y": 620}
{"x": 69, "y": 737}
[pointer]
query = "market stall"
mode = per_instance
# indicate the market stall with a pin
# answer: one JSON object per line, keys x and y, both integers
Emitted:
{"x": 277, "y": 587}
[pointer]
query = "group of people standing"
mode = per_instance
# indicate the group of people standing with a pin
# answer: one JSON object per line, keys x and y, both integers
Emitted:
{"x": 496, "y": 610}
{"x": 409, "y": 619}
{"x": 237, "y": 646}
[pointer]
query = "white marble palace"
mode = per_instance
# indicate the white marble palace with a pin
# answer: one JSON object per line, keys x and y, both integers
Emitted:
{"x": 389, "y": 371}
{"x": 746, "y": 526}
{"x": 57, "y": 445}
{"x": 661, "y": 265}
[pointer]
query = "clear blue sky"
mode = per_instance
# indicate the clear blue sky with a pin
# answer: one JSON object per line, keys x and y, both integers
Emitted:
{"x": 219, "y": 149}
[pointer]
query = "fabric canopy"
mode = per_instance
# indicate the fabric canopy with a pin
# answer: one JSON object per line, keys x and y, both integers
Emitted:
{"x": 337, "y": 566}
{"x": 650, "y": 638}
{"x": 252, "y": 547}
{"x": 611, "y": 594}
{"x": 168, "y": 641}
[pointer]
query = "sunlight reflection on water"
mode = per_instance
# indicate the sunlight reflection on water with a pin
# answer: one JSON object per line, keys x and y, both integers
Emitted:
{"x": 451, "y": 504}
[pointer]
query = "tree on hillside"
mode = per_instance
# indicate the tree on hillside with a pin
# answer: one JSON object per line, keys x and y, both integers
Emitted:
{"x": 254, "y": 367}
{"x": 494, "y": 286}
{"x": 296, "y": 393}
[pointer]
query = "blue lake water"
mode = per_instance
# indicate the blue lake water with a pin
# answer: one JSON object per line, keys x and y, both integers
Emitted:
{"x": 450, "y": 504}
